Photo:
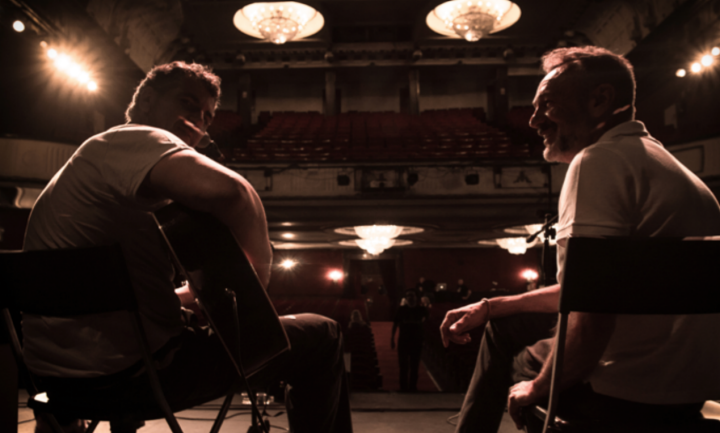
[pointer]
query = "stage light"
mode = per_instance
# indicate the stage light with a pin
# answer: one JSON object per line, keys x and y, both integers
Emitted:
{"x": 288, "y": 263}
{"x": 715, "y": 51}
{"x": 19, "y": 26}
{"x": 529, "y": 275}
{"x": 696, "y": 67}
{"x": 52, "y": 53}
{"x": 681, "y": 72}
{"x": 92, "y": 86}
{"x": 335, "y": 275}
{"x": 288, "y": 235}
{"x": 706, "y": 60}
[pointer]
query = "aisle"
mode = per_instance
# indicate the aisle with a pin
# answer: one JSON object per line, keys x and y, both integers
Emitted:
{"x": 388, "y": 362}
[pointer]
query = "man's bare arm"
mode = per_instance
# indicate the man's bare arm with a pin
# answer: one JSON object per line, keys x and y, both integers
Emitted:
{"x": 587, "y": 337}
{"x": 200, "y": 183}
{"x": 459, "y": 322}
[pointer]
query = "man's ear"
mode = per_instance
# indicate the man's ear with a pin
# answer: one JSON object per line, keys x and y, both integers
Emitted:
{"x": 145, "y": 100}
{"x": 602, "y": 99}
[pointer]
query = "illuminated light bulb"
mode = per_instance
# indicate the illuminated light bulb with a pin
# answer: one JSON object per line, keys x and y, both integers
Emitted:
{"x": 74, "y": 70}
{"x": 706, "y": 60}
{"x": 84, "y": 77}
{"x": 52, "y": 53}
{"x": 696, "y": 67}
{"x": 19, "y": 26}
{"x": 715, "y": 51}
{"x": 62, "y": 62}
{"x": 288, "y": 263}
{"x": 529, "y": 275}
{"x": 92, "y": 86}
{"x": 43, "y": 44}
{"x": 335, "y": 275}
{"x": 681, "y": 72}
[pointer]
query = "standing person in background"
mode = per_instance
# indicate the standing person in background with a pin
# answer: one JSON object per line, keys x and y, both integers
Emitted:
{"x": 462, "y": 290}
{"x": 409, "y": 319}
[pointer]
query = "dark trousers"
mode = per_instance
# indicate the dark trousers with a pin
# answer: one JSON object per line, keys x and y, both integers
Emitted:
{"x": 201, "y": 371}
{"x": 409, "y": 360}
{"x": 514, "y": 349}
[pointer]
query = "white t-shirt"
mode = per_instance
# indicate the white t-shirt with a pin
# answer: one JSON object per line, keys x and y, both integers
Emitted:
{"x": 627, "y": 184}
{"x": 93, "y": 200}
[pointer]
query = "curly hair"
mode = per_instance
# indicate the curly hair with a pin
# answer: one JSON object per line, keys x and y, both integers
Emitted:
{"x": 162, "y": 78}
{"x": 600, "y": 66}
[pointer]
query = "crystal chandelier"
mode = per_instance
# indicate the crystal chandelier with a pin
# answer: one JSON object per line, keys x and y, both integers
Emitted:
{"x": 377, "y": 238}
{"x": 472, "y": 20}
{"x": 278, "y": 22}
{"x": 514, "y": 245}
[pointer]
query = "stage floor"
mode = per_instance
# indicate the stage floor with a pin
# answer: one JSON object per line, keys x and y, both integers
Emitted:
{"x": 376, "y": 412}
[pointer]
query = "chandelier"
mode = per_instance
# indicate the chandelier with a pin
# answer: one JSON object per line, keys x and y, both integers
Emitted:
{"x": 377, "y": 238}
{"x": 517, "y": 245}
{"x": 472, "y": 19}
{"x": 278, "y": 22}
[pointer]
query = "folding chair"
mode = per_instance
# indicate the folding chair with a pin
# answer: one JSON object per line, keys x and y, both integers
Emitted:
{"x": 74, "y": 282}
{"x": 631, "y": 276}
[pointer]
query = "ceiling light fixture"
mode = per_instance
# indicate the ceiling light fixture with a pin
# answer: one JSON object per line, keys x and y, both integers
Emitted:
{"x": 472, "y": 20}
{"x": 278, "y": 22}
{"x": 377, "y": 238}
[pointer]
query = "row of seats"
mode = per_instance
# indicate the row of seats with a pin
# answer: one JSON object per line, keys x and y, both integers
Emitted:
{"x": 361, "y": 126}
{"x": 357, "y": 154}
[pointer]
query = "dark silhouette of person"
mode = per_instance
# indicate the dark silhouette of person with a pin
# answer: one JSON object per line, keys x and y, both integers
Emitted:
{"x": 409, "y": 319}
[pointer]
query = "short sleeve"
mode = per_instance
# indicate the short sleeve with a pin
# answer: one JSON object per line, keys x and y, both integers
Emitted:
{"x": 132, "y": 152}
{"x": 597, "y": 196}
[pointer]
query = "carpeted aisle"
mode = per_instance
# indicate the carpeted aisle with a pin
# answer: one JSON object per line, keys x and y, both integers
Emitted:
{"x": 388, "y": 362}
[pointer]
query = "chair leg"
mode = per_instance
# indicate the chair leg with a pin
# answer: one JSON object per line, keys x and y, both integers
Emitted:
{"x": 93, "y": 425}
{"x": 125, "y": 425}
{"x": 223, "y": 412}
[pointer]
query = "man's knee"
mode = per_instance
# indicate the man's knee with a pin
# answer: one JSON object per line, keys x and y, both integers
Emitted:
{"x": 312, "y": 329}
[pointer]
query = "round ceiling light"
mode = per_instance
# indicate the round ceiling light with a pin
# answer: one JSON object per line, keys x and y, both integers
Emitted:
{"x": 278, "y": 22}
{"x": 377, "y": 238}
{"x": 472, "y": 20}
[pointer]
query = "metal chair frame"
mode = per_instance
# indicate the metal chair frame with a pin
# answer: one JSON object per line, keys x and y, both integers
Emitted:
{"x": 631, "y": 276}
{"x": 81, "y": 281}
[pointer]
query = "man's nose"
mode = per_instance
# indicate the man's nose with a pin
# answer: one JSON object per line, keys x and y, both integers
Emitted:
{"x": 536, "y": 119}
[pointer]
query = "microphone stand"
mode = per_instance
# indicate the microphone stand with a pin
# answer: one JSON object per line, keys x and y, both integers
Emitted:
{"x": 548, "y": 232}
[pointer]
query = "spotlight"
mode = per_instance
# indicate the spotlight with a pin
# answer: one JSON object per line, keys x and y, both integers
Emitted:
{"x": 19, "y": 26}
{"x": 529, "y": 275}
{"x": 288, "y": 264}
{"x": 472, "y": 179}
{"x": 343, "y": 180}
{"x": 412, "y": 178}
{"x": 681, "y": 72}
{"x": 715, "y": 51}
{"x": 335, "y": 275}
{"x": 707, "y": 60}
{"x": 696, "y": 67}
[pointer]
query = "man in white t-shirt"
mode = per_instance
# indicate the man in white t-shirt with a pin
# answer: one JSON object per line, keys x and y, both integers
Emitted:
{"x": 620, "y": 182}
{"x": 105, "y": 194}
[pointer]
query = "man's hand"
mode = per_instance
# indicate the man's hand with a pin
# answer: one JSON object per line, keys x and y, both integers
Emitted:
{"x": 522, "y": 394}
{"x": 460, "y": 321}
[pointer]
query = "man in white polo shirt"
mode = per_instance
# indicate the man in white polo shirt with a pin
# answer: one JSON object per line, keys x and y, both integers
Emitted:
{"x": 620, "y": 182}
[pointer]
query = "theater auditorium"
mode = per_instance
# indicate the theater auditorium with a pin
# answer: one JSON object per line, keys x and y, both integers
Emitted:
{"x": 400, "y": 163}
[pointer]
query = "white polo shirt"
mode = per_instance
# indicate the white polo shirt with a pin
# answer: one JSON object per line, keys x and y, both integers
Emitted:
{"x": 627, "y": 184}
